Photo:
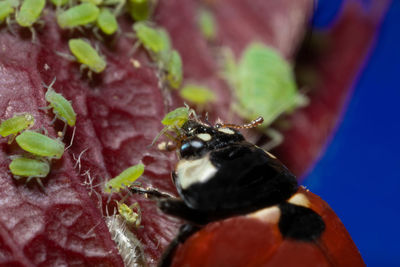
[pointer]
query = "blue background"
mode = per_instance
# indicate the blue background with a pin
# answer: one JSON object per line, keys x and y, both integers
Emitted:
{"x": 359, "y": 174}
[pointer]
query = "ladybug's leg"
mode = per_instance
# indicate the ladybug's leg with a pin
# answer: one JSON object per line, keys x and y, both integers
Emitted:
{"x": 185, "y": 232}
{"x": 177, "y": 207}
{"x": 150, "y": 192}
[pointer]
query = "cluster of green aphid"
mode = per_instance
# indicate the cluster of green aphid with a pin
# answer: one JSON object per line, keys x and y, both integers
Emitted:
{"x": 102, "y": 15}
{"x": 26, "y": 12}
{"x": 71, "y": 14}
{"x": 130, "y": 214}
{"x": 262, "y": 80}
{"x": 41, "y": 148}
{"x": 173, "y": 121}
{"x": 157, "y": 43}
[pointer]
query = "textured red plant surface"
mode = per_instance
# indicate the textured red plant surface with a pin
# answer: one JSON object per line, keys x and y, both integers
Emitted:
{"x": 119, "y": 113}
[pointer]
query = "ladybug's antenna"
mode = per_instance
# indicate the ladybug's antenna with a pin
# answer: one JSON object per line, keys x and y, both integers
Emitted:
{"x": 252, "y": 124}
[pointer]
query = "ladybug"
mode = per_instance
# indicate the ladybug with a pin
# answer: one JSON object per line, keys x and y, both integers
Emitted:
{"x": 245, "y": 208}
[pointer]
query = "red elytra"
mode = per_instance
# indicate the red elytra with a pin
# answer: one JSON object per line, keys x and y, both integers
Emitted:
{"x": 249, "y": 242}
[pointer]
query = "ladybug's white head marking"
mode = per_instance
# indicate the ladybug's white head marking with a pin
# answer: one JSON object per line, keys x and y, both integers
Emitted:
{"x": 194, "y": 171}
{"x": 299, "y": 200}
{"x": 226, "y": 130}
{"x": 204, "y": 136}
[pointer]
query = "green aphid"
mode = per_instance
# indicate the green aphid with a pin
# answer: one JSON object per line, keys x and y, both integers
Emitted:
{"x": 155, "y": 40}
{"x": 87, "y": 55}
{"x": 124, "y": 179}
{"x": 16, "y": 124}
{"x": 197, "y": 94}
{"x": 177, "y": 117}
{"x": 40, "y": 145}
{"x": 264, "y": 84}
{"x": 107, "y": 21}
{"x": 6, "y": 9}
{"x": 27, "y": 167}
{"x": 173, "y": 121}
{"x": 174, "y": 70}
{"x": 128, "y": 214}
{"x": 139, "y": 9}
{"x": 95, "y": 2}
{"x": 29, "y": 12}
{"x": 207, "y": 24}
{"x": 59, "y": 3}
{"x": 78, "y": 15}
{"x": 62, "y": 108}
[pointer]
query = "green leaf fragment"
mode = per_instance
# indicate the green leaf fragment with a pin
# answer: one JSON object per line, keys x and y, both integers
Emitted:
{"x": 124, "y": 179}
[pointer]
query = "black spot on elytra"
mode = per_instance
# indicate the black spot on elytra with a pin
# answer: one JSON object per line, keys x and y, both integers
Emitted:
{"x": 300, "y": 223}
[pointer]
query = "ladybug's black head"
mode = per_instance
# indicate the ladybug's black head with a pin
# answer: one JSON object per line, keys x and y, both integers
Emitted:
{"x": 199, "y": 139}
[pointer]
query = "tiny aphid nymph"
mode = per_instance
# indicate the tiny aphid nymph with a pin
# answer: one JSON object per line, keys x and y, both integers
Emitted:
{"x": 27, "y": 167}
{"x": 87, "y": 55}
{"x": 176, "y": 117}
{"x": 6, "y": 9}
{"x": 174, "y": 70}
{"x": 153, "y": 39}
{"x": 173, "y": 121}
{"x": 207, "y": 24}
{"x": 78, "y": 15}
{"x": 131, "y": 217}
{"x": 139, "y": 9}
{"x": 40, "y": 145}
{"x": 107, "y": 21}
{"x": 16, "y": 124}
{"x": 62, "y": 108}
{"x": 124, "y": 179}
{"x": 29, "y": 12}
{"x": 197, "y": 94}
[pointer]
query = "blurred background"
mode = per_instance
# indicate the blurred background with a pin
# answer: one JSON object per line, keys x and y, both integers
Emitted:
{"x": 358, "y": 172}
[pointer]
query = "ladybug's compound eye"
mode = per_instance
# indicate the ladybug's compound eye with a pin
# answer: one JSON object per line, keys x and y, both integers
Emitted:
{"x": 192, "y": 148}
